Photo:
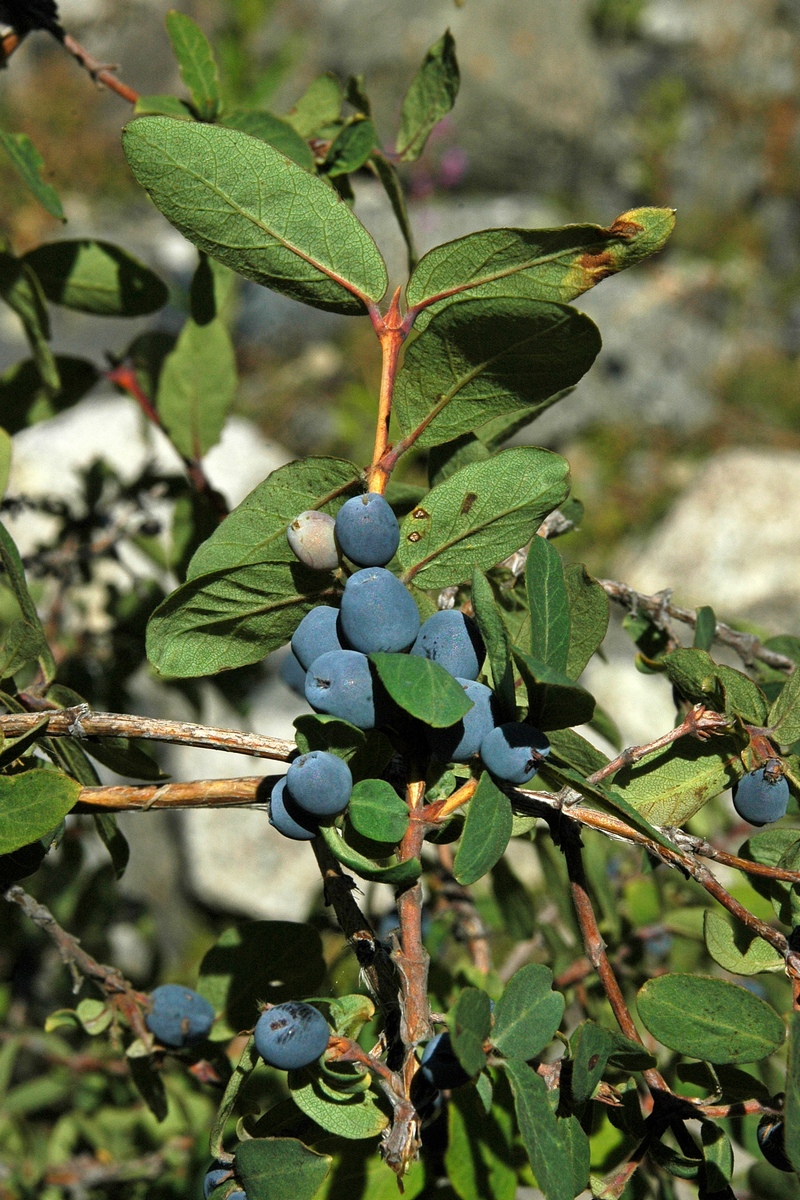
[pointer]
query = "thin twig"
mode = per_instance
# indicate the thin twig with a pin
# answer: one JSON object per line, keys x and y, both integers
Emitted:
{"x": 700, "y": 722}
{"x": 116, "y": 987}
{"x": 102, "y": 73}
{"x": 201, "y": 793}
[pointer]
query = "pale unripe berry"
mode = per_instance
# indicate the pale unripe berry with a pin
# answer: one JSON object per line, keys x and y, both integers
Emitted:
{"x": 311, "y": 539}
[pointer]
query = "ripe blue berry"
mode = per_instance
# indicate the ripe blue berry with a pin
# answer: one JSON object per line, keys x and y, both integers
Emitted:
{"x": 340, "y": 683}
{"x": 316, "y": 634}
{"x": 289, "y": 818}
{"x": 291, "y": 1035}
{"x": 320, "y": 783}
{"x": 378, "y": 612}
{"x": 311, "y": 539}
{"x": 178, "y": 1016}
{"x": 440, "y": 1065}
{"x": 293, "y": 674}
{"x": 771, "y": 1143}
{"x": 514, "y": 751}
{"x": 452, "y": 640}
{"x": 367, "y": 530}
{"x": 761, "y": 798}
{"x": 459, "y": 742}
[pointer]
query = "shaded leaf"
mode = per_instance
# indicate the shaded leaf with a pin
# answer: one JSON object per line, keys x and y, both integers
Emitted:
{"x": 22, "y": 292}
{"x": 274, "y": 130}
{"x": 96, "y": 277}
{"x": 487, "y": 831}
{"x": 25, "y": 400}
{"x": 589, "y": 609}
{"x": 791, "y": 1127}
{"x": 350, "y": 149}
{"x": 196, "y": 62}
{"x": 480, "y": 515}
{"x": 554, "y": 700}
{"x": 710, "y": 1019}
{"x": 673, "y": 784}
{"x": 196, "y": 388}
{"x": 14, "y": 578}
{"x": 365, "y": 752}
{"x": 280, "y": 1169}
{"x": 528, "y": 1013}
{"x": 479, "y": 1159}
{"x": 470, "y": 1021}
{"x": 540, "y": 1131}
{"x": 29, "y": 165}
{"x": 32, "y": 803}
{"x": 548, "y": 605}
{"x": 114, "y": 841}
{"x": 498, "y": 647}
{"x": 241, "y": 201}
{"x": 400, "y": 874}
{"x": 430, "y": 97}
{"x": 422, "y": 688}
{"x": 593, "y": 1047}
{"x": 480, "y": 359}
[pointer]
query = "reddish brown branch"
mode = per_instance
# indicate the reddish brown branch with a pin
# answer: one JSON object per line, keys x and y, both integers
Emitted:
{"x": 700, "y": 722}
{"x": 102, "y": 73}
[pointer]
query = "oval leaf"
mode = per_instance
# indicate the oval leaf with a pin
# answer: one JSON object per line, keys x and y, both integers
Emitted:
{"x": 745, "y": 955}
{"x": 196, "y": 62}
{"x": 352, "y": 1117}
{"x": 32, "y": 803}
{"x": 422, "y": 688}
{"x": 480, "y": 515}
{"x": 480, "y": 359}
{"x": 487, "y": 830}
{"x": 280, "y": 1169}
{"x": 540, "y": 1132}
{"x": 196, "y": 387}
{"x": 242, "y": 202}
{"x": 430, "y": 97}
{"x": 377, "y": 812}
{"x": 528, "y": 1013}
{"x": 401, "y": 874}
{"x": 709, "y": 1019}
{"x": 470, "y": 1022}
{"x": 96, "y": 277}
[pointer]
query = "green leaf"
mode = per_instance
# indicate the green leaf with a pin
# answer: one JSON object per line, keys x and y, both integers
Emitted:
{"x": 536, "y": 264}
{"x": 245, "y": 592}
{"x": 14, "y": 578}
{"x": 540, "y": 1131}
{"x": 487, "y": 830}
{"x": 320, "y": 105}
{"x": 791, "y": 1126}
{"x": 548, "y": 605}
{"x": 22, "y": 292}
{"x": 709, "y": 1019}
{"x": 196, "y": 62}
{"x": 575, "y": 751}
{"x": 274, "y": 130}
{"x": 554, "y": 700}
{"x": 670, "y": 786}
{"x": 20, "y": 645}
{"x": 96, "y": 277}
{"x": 479, "y": 1160}
{"x": 5, "y": 467}
{"x": 705, "y": 628}
{"x": 743, "y": 697}
{"x": 32, "y": 803}
{"x": 366, "y": 753}
{"x": 449, "y": 457}
{"x": 784, "y": 715}
{"x": 377, "y": 812}
{"x": 422, "y": 688}
{"x": 480, "y": 359}
{"x": 211, "y": 293}
{"x": 718, "y": 1157}
{"x": 354, "y": 1117}
{"x": 114, "y": 841}
{"x": 242, "y": 202}
{"x": 735, "y": 949}
{"x": 259, "y": 962}
{"x": 162, "y": 106}
{"x": 25, "y": 400}
{"x": 94, "y": 1015}
{"x": 351, "y": 148}
{"x": 589, "y": 608}
{"x": 528, "y": 1013}
{"x": 401, "y": 874}
{"x": 480, "y": 515}
{"x": 470, "y": 1022}
{"x": 430, "y": 97}
{"x": 29, "y": 164}
{"x": 593, "y": 1047}
{"x": 196, "y": 387}
{"x": 498, "y": 647}
{"x": 280, "y": 1169}
{"x": 785, "y": 896}
{"x": 698, "y": 678}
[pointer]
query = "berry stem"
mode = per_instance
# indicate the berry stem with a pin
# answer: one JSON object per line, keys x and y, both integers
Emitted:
{"x": 392, "y": 332}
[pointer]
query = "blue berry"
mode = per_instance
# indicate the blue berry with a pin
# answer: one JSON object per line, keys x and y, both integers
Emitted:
{"x": 760, "y": 800}
{"x": 440, "y": 1065}
{"x": 293, "y": 674}
{"x": 461, "y": 741}
{"x": 320, "y": 783}
{"x": 452, "y": 640}
{"x": 340, "y": 683}
{"x": 215, "y": 1175}
{"x": 378, "y": 612}
{"x": 316, "y": 634}
{"x": 288, "y": 818}
{"x": 311, "y": 540}
{"x": 178, "y": 1016}
{"x": 771, "y": 1143}
{"x": 367, "y": 530}
{"x": 514, "y": 751}
{"x": 291, "y": 1035}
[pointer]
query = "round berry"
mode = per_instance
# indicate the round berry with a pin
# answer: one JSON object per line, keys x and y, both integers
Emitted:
{"x": 440, "y": 1065}
{"x": 771, "y": 1142}
{"x": 311, "y": 539}
{"x": 761, "y": 797}
{"x": 452, "y": 640}
{"x": 461, "y": 741}
{"x": 288, "y": 818}
{"x": 378, "y": 612}
{"x": 320, "y": 783}
{"x": 514, "y": 751}
{"x": 178, "y": 1016}
{"x": 367, "y": 530}
{"x": 293, "y": 674}
{"x": 317, "y": 633}
{"x": 291, "y": 1035}
{"x": 340, "y": 683}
